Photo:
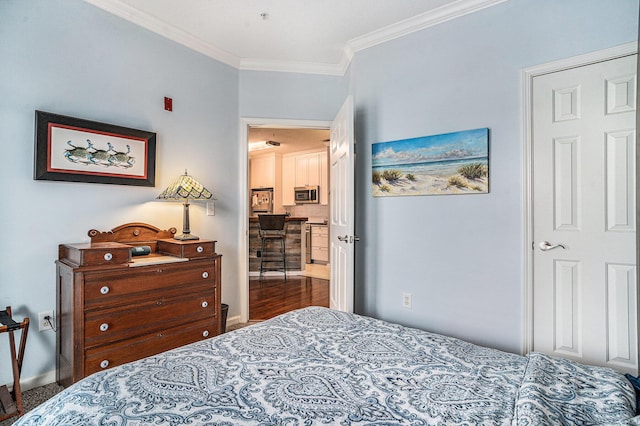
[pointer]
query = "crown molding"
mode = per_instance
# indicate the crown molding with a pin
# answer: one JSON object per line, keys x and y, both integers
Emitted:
{"x": 400, "y": 29}
{"x": 419, "y": 22}
{"x": 164, "y": 29}
{"x": 338, "y": 69}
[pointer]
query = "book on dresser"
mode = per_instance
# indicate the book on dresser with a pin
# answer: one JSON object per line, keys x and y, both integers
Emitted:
{"x": 115, "y": 306}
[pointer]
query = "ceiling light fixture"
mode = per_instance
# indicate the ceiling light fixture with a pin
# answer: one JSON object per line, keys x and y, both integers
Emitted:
{"x": 256, "y": 146}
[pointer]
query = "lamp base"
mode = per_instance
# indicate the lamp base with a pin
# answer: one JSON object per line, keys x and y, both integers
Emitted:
{"x": 185, "y": 237}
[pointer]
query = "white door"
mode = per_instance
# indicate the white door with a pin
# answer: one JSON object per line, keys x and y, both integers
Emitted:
{"x": 341, "y": 159}
{"x": 584, "y": 272}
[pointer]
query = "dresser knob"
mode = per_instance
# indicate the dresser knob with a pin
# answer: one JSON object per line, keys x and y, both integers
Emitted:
{"x": 108, "y": 256}
{"x": 200, "y": 249}
{"x": 159, "y": 302}
{"x": 205, "y": 333}
{"x": 104, "y": 327}
{"x": 205, "y": 274}
{"x": 205, "y": 304}
{"x": 104, "y": 290}
{"x": 104, "y": 363}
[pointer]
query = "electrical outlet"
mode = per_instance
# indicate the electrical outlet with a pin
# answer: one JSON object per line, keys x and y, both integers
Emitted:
{"x": 43, "y": 324}
{"x": 406, "y": 300}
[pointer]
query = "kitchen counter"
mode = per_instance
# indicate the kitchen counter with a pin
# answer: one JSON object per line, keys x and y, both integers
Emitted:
{"x": 288, "y": 219}
{"x": 293, "y": 243}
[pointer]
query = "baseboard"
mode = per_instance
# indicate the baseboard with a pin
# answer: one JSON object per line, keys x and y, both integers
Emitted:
{"x": 36, "y": 381}
{"x": 233, "y": 320}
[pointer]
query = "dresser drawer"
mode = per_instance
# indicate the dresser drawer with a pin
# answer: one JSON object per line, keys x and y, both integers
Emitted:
{"x": 110, "y": 325}
{"x": 103, "y": 357}
{"x": 95, "y": 254}
{"x": 190, "y": 249}
{"x": 133, "y": 284}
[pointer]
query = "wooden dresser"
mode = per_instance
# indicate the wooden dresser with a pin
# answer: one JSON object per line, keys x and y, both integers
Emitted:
{"x": 113, "y": 308}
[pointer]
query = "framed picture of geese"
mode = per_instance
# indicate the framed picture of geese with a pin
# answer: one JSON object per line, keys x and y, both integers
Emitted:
{"x": 78, "y": 150}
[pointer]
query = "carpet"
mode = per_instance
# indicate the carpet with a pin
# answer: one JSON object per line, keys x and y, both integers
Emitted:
{"x": 34, "y": 397}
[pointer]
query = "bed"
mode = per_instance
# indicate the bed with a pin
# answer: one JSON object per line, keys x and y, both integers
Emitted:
{"x": 320, "y": 366}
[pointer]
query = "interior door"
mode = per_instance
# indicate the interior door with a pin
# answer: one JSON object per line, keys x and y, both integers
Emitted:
{"x": 341, "y": 159}
{"x": 584, "y": 271}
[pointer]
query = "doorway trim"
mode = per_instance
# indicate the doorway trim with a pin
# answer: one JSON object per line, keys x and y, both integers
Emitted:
{"x": 527, "y": 170}
{"x": 243, "y": 237}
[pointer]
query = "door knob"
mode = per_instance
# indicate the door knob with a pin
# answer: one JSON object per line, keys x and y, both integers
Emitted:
{"x": 546, "y": 246}
{"x": 344, "y": 239}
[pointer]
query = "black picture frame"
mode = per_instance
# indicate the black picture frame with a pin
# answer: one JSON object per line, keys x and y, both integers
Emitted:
{"x": 77, "y": 150}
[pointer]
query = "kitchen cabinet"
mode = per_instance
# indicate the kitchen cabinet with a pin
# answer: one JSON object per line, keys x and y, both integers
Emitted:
{"x": 262, "y": 171}
{"x": 304, "y": 169}
{"x": 288, "y": 180}
{"x": 265, "y": 171}
{"x": 319, "y": 243}
{"x": 308, "y": 170}
{"x": 324, "y": 178}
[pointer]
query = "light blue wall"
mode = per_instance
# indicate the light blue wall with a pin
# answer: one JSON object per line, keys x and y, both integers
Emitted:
{"x": 291, "y": 95}
{"x": 68, "y": 57}
{"x": 460, "y": 255}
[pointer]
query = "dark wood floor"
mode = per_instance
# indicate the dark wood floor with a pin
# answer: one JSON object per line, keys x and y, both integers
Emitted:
{"x": 273, "y": 296}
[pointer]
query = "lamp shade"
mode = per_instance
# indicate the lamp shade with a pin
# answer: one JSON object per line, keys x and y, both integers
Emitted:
{"x": 185, "y": 187}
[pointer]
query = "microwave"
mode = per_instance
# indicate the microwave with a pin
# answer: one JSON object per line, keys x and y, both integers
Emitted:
{"x": 306, "y": 194}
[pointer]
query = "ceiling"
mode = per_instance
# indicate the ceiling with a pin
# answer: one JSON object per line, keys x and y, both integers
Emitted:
{"x": 308, "y": 36}
{"x": 291, "y": 140}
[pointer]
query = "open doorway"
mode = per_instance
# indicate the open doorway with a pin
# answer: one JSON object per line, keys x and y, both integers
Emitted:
{"x": 288, "y": 173}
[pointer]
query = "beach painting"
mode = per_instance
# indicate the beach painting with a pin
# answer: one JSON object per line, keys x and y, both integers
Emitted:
{"x": 451, "y": 163}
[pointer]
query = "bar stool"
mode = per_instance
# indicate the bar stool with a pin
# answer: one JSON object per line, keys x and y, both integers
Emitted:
{"x": 11, "y": 402}
{"x": 273, "y": 228}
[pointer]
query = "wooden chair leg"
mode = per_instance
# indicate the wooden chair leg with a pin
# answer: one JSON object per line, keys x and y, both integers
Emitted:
{"x": 12, "y": 402}
{"x": 16, "y": 393}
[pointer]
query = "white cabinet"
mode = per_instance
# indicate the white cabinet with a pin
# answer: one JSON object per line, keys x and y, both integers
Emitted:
{"x": 304, "y": 169}
{"x": 324, "y": 178}
{"x": 265, "y": 171}
{"x": 319, "y": 243}
{"x": 288, "y": 180}
{"x": 308, "y": 170}
{"x": 262, "y": 172}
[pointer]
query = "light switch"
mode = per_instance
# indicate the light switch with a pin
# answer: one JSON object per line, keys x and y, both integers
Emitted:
{"x": 211, "y": 208}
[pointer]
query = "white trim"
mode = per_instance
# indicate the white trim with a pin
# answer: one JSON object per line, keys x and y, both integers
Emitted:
{"x": 165, "y": 29}
{"x": 428, "y": 19}
{"x": 233, "y": 320}
{"x": 296, "y": 67}
{"x": 36, "y": 381}
{"x": 527, "y": 173}
{"x": 243, "y": 237}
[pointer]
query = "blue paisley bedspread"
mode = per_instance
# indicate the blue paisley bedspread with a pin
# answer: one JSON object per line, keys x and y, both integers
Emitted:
{"x": 319, "y": 366}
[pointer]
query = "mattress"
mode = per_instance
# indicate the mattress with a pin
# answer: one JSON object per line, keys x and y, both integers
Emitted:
{"x": 320, "y": 366}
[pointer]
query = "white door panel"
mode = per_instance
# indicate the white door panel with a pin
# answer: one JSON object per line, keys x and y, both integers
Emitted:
{"x": 584, "y": 291}
{"x": 341, "y": 181}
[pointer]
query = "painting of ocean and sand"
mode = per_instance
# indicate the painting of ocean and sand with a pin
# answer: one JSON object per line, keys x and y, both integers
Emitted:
{"x": 451, "y": 163}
